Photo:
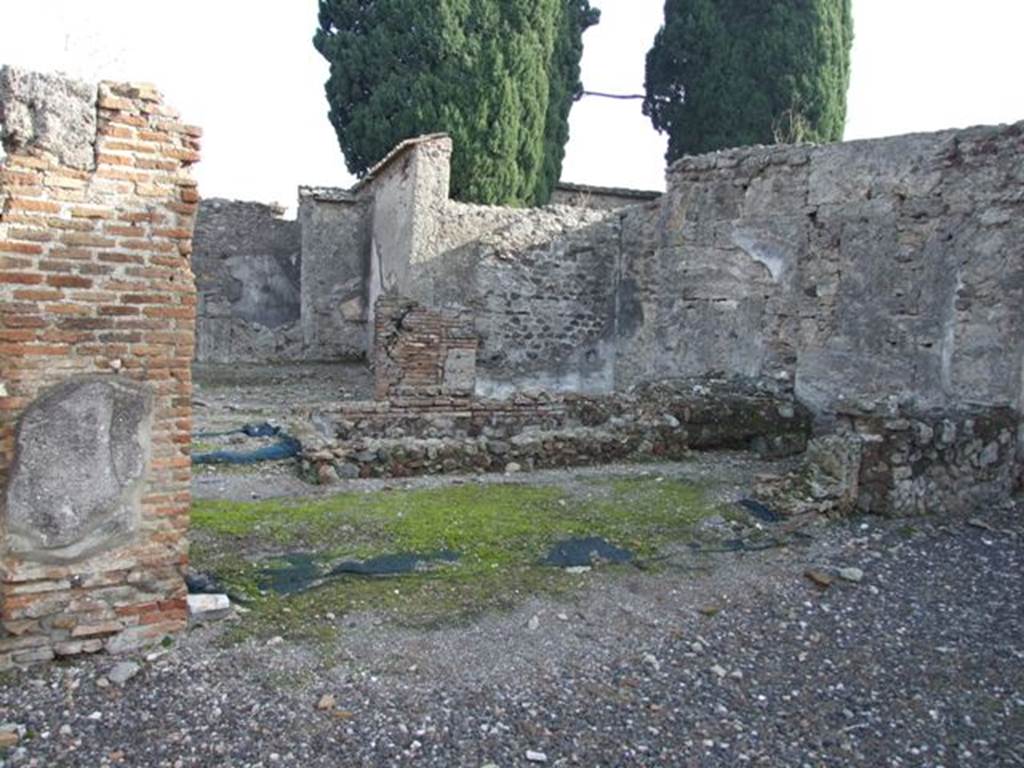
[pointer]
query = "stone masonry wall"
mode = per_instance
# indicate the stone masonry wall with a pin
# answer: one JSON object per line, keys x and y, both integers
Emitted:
{"x": 865, "y": 271}
{"x": 97, "y": 311}
{"x": 354, "y": 245}
{"x": 602, "y": 198}
{"x": 542, "y": 292}
{"x": 247, "y": 267}
{"x": 335, "y": 237}
{"x": 428, "y": 435}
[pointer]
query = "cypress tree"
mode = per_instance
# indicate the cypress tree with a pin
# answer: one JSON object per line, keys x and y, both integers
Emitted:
{"x": 727, "y": 73}
{"x": 499, "y": 76}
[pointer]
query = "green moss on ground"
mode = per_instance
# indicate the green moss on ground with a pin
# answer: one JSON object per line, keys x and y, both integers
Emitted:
{"x": 501, "y": 531}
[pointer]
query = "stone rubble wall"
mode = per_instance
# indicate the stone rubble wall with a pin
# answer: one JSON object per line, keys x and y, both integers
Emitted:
{"x": 247, "y": 264}
{"x": 944, "y": 460}
{"x": 543, "y": 296}
{"x": 97, "y": 313}
{"x": 855, "y": 272}
{"x": 903, "y": 461}
{"x": 430, "y": 435}
{"x": 858, "y": 272}
{"x": 872, "y": 276}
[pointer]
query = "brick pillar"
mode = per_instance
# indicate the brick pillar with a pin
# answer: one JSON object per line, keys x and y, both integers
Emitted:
{"x": 97, "y": 316}
{"x": 422, "y": 352}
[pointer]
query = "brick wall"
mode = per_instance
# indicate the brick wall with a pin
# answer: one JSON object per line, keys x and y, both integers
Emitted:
{"x": 95, "y": 282}
{"x": 421, "y": 351}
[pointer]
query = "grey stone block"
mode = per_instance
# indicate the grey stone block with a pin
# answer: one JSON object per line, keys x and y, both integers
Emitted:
{"x": 81, "y": 454}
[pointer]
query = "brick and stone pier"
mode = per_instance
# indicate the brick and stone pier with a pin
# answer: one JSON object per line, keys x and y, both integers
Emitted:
{"x": 97, "y": 315}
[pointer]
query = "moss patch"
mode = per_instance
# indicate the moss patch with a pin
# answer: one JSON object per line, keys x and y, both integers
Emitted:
{"x": 501, "y": 532}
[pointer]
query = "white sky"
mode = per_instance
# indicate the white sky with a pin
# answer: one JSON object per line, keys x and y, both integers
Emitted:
{"x": 246, "y": 71}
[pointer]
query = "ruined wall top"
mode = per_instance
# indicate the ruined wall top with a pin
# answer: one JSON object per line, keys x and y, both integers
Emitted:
{"x": 48, "y": 112}
{"x": 602, "y": 198}
{"x": 868, "y": 155}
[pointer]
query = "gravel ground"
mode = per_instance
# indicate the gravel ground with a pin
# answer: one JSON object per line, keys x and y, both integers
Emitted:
{"x": 231, "y": 395}
{"x": 716, "y": 660}
{"x": 727, "y": 474}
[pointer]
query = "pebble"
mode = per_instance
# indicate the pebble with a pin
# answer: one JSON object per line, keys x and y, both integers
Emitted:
{"x": 206, "y": 607}
{"x": 536, "y": 757}
{"x": 533, "y": 624}
{"x": 718, "y": 670}
{"x": 821, "y": 580}
{"x": 856, "y": 575}
{"x": 123, "y": 672}
{"x": 10, "y": 734}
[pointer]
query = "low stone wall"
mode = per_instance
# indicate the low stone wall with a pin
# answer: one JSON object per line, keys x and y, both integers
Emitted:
{"x": 664, "y": 421}
{"x": 904, "y": 461}
{"x": 97, "y": 314}
{"x": 938, "y": 460}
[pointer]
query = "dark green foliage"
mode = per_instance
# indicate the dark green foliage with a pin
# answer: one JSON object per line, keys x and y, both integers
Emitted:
{"x": 498, "y": 75}
{"x": 727, "y": 73}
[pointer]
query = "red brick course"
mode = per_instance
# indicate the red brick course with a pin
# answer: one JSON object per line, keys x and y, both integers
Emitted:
{"x": 412, "y": 344}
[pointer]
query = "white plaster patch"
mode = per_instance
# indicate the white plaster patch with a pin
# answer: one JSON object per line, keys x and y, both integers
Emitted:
{"x": 949, "y": 338}
{"x": 761, "y": 252}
